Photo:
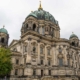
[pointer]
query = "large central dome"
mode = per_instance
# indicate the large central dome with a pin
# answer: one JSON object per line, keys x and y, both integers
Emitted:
{"x": 42, "y": 15}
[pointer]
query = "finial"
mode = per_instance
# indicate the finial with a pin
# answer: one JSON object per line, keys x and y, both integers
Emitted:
{"x": 3, "y": 26}
{"x": 40, "y": 6}
{"x": 72, "y": 32}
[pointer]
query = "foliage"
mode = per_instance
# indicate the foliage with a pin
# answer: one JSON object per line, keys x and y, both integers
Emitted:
{"x": 5, "y": 61}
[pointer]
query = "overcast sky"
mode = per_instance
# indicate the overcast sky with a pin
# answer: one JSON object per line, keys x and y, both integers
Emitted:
{"x": 66, "y": 12}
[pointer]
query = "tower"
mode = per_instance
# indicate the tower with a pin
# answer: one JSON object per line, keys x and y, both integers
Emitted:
{"x": 4, "y": 36}
{"x": 74, "y": 40}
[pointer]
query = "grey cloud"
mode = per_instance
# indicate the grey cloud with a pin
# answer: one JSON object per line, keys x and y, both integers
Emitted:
{"x": 14, "y": 12}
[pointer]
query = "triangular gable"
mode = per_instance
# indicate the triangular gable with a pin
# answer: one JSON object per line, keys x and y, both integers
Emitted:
{"x": 13, "y": 42}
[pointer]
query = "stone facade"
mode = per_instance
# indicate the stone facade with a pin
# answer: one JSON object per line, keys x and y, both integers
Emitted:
{"x": 41, "y": 54}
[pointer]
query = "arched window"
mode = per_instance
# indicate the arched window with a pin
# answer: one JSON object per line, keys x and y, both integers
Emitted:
{"x": 26, "y": 25}
{"x": 17, "y": 61}
{"x": 25, "y": 48}
{"x": 48, "y": 51}
{"x": 2, "y": 40}
{"x": 34, "y": 49}
{"x": 42, "y": 62}
{"x": 25, "y": 60}
{"x": 41, "y": 50}
{"x": 42, "y": 73}
{"x": 16, "y": 71}
{"x": 49, "y": 63}
{"x": 49, "y": 72}
{"x": 52, "y": 32}
{"x": 60, "y": 62}
{"x": 73, "y": 43}
{"x": 34, "y": 27}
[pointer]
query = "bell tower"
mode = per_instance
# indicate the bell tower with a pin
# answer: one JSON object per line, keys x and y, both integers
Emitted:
{"x": 4, "y": 36}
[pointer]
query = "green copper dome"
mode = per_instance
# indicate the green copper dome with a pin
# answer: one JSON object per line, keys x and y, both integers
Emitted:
{"x": 72, "y": 36}
{"x": 3, "y": 30}
{"x": 43, "y": 15}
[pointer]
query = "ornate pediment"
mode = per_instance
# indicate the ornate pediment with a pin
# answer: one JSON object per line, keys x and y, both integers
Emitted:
{"x": 13, "y": 42}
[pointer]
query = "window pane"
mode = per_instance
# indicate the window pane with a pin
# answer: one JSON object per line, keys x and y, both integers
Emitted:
{"x": 41, "y": 50}
{"x": 60, "y": 62}
{"x": 48, "y": 51}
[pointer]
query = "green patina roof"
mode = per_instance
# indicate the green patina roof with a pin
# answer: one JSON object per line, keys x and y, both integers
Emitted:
{"x": 44, "y": 15}
{"x": 3, "y": 30}
{"x": 73, "y": 35}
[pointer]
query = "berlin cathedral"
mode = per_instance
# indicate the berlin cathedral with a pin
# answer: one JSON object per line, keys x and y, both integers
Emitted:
{"x": 41, "y": 54}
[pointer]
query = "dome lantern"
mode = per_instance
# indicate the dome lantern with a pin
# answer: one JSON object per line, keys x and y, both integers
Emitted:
{"x": 40, "y": 6}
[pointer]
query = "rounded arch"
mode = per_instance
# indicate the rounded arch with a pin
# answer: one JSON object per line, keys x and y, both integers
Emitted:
{"x": 26, "y": 25}
{"x": 73, "y": 43}
{"x": 2, "y": 40}
{"x": 34, "y": 42}
{"x": 48, "y": 46}
{"x": 34, "y": 27}
{"x": 42, "y": 45}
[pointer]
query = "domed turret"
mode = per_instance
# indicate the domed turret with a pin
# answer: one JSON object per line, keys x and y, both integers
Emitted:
{"x": 73, "y": 36}
{"x": 3, "y": 37}
{"x": 74, "y": 40}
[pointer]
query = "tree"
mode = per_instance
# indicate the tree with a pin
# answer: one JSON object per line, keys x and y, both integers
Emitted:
{"x": 5, "y": 61}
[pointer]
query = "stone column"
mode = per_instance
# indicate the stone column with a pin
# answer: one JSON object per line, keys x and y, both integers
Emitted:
{"x": 21, "y": 50}
{"x": 55, "y": 33}
{"x": 38, "y": 61}
{"x": 58, "y": 34}
{"x": 56, "y": 55}
{"x": 53, "y": 56}
{"x": 46, "y": 62}
{"x": 38, "y": 72}
{"x": 28, "y": 59}
{"x": 40, "y": 29}
{"x": 65, "y": 56}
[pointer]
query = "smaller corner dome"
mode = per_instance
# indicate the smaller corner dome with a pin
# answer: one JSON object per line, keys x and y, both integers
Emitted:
{"x": 3, "y": 30}
{"x": 73, "y": 36}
